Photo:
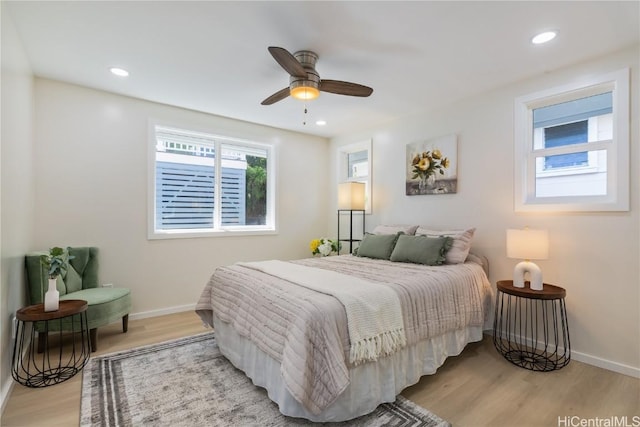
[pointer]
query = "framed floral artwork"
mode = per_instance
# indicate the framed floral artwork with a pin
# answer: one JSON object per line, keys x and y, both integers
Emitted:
{"x": 432, "y": 166}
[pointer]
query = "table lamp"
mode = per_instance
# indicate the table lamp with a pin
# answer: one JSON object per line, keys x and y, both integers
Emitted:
{"x": 527, "y": 244}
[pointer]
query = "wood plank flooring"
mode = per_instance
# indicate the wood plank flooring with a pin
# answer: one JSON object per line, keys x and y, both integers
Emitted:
{"x": 477, "y": 388}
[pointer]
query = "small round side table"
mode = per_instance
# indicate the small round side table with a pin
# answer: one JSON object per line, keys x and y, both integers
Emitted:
{"x": 530, "y": 327}
{"x": 56, "y": 363}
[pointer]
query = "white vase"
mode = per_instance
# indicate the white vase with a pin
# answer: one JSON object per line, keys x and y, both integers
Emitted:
{"x": 52, "y": 297}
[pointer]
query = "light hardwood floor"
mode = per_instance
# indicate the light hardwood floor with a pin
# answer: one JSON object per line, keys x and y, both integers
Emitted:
{"x": 477, "y": 388}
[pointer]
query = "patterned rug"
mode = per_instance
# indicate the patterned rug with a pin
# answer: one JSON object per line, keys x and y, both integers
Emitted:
{"x": 187, "y": 382}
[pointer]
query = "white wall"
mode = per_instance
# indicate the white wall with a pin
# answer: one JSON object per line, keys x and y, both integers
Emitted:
{"x": 91, "y": 189}
{"x": 593, "y": 255}
{"x": 16, "y": 187}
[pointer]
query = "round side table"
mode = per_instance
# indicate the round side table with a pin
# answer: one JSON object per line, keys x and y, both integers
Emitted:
{"x": 530, "y": 327}
{"x": 58, "y": 362}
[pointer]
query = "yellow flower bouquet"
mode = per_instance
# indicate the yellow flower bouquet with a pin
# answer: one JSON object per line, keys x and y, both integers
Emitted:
{"x": 324, "y": 246}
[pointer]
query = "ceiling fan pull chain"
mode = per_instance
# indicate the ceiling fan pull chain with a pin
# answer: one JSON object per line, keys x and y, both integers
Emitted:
{"x": 304, "y": 118}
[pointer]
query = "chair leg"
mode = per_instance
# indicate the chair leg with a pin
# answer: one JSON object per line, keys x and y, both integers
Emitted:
{"x": 125, "y": 323}
{"x": 42, "y": 340}
{"x": 93, "y": 336}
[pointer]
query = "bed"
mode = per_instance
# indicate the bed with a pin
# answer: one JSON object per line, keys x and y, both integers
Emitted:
{"x": 295, "y": 341}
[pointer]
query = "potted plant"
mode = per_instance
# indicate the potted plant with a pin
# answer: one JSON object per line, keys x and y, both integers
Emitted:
{"x": 55, "y": 263}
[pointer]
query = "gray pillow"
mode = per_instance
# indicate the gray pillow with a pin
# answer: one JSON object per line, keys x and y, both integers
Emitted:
{"x": 461, "y": 242}
{"x": 378, "y": 246}
{"x": 421, "y": 249}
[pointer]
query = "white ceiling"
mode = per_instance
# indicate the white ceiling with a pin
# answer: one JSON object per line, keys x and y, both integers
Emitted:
{"x": 212, "y": 56}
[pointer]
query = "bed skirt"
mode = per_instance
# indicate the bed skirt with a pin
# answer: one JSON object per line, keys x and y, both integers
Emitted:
{"x": 370, "y": 384}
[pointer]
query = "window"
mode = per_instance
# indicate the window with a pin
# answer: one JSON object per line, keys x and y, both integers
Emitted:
{"x": 358, "y": 164}
{"x": 572, "y": 147}
{"x": 354, "y": 164}
{"x": 190, "y": 199}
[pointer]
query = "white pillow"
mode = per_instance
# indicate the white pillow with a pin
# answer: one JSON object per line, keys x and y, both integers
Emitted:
{"x": 395, "y": 229}
{"x": 461, "y": 242}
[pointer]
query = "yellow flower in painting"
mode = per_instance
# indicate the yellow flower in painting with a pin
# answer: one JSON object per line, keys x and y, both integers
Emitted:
{"x": 424, "y": 164}
{"x": 445, "y": 163}
{"x": 314, "y": 244}
{"x": 415, "y": 160}
{"x": 436, "y": 154}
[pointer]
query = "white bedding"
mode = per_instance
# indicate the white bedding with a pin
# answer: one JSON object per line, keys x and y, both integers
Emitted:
{"x": 370, "y": 384}
{"x": 305, "y": 333}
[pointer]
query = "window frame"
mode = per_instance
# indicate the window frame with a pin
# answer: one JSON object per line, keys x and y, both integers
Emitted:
{"x": 617, "y": 149}
{"x": 218, "y": 229}
{"x": 343, "y": 168}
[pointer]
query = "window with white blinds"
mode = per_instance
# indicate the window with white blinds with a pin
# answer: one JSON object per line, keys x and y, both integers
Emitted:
{"x": 191, "y": 199}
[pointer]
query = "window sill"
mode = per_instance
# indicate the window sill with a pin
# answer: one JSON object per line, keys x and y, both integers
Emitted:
{"x": 228, "y": 232}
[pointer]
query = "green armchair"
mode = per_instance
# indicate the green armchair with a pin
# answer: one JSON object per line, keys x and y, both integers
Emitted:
{"x": 79, "y": 281}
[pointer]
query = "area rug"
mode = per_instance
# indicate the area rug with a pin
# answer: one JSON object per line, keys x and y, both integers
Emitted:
{"x": 188, "y": 382}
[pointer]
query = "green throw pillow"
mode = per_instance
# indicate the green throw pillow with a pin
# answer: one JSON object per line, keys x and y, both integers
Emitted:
{"x": 378, "y": 246}
{"x": 421, "y": 249}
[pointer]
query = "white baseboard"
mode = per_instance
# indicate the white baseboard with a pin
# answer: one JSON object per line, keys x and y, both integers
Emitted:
{"x": 162, "y": 311}
{"x": 7, "y": 388}
{"x": 595, "y": 361}
{"x": 5, "y": 393}
{"x": 606, "y": 364}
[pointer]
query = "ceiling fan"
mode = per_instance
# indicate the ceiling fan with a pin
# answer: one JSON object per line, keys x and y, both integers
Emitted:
{"x": 304, "y": 80}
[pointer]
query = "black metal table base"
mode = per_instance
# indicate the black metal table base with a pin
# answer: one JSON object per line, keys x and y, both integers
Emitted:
{"x": 532, "y": 333}
{"x": 59, "y": 361}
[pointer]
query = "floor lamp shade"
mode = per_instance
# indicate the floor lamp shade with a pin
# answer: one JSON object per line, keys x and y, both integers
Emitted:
{"x": 351, "y": 195}
{"x": 527, "y": 244}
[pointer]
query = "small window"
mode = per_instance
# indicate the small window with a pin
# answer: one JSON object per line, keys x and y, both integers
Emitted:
{"x": 572, "y": 146}
{"x": 190, "y": 199}
{"x": 354, "y": 164}
{"x": 358, "y": 164}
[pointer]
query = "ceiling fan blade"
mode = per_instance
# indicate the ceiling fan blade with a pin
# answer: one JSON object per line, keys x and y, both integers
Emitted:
{"x": 288, "y": 62}
{"x": 278, "y": 96}
{"x": 345, "y": 88}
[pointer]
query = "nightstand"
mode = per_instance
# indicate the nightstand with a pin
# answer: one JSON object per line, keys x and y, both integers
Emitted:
{"x": 60, "y": 361}
{"x": 530, "y": 327}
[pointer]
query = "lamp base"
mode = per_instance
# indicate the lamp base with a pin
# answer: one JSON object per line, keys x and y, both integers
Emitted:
{"x": 534, "y": 272}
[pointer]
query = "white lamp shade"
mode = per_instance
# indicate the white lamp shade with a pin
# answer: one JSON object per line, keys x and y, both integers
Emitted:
{"x": 351, "y": 195}
{"x": 527, "y": 244}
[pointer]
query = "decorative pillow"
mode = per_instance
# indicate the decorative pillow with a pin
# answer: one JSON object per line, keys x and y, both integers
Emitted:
{"x": 378, "y": 246}
{"x": 395, "y": 229}
{"x": 461, "y": 242}
{"x": 421, "y": 249}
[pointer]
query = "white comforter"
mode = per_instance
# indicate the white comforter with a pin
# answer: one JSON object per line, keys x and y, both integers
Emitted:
{"x": 307, "y": 331}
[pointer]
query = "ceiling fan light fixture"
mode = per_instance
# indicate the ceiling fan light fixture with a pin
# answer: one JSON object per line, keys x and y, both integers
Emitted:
{"x": 304, "y": 90}
{"x": 305, "y": 93}
{"x": 304, "y": 81}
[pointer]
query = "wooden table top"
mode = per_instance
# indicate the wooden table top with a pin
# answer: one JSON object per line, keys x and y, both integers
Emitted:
{"x": 548, "y": 291}
{"x": 34, "y": 313}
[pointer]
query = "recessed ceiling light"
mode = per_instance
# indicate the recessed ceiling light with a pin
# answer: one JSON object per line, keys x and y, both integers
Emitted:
{"x": 544, "y": 37}
{"x": 119, "y": 71}
{"x": 321, "y": 122}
